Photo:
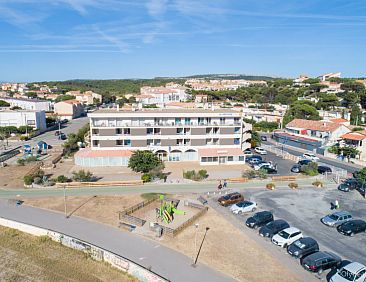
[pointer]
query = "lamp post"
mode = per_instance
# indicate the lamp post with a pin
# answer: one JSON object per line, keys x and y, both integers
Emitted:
{"x": 199, "y": 250}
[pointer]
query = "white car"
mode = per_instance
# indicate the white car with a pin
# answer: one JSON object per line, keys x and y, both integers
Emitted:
{"x": 286, "y": 237}
{"x": 260, "y": 165}
{"x": 248, "y": 153}
{"x": 245, "y": 206}
{"x": 260, "y": 151}
{"x": 353, "y": 272}
{"x": 311, "y": 157}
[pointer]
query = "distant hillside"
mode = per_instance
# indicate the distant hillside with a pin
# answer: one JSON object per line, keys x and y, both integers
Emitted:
{"x": 232, "y": 76}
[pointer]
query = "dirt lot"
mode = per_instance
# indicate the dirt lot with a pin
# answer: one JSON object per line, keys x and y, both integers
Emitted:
{"x": 101, "y": 208}
{"x": 226, "y": 248}
{"x": 12, "y": 176}
{"x": 29, "y": 258}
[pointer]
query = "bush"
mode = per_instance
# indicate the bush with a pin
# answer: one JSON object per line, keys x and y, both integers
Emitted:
{"x": 196, "y": 176}
{"x": 143, "y": 161}
{"x": 293, "y": 185}
{"x": 271, "y": 186}
{"x": 21, "y": 162}
{"x": 250, "y": 174}
{"x": 202, "y": 173}
{"x": 146, "y": 177}
{"x": 317, "y": 183}
{"x": 61, "y": 179}
{"x": 37, "y": 180}
{"x": 310, "y": 169}
{"x": 28, "y": 179}
{"x": 23, "y": 138}
{"x": 262, "y": 174}
{"x": 82, "y": 176}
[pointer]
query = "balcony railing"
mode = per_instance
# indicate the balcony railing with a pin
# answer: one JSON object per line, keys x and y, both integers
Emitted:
{"x": 159, "y": 124}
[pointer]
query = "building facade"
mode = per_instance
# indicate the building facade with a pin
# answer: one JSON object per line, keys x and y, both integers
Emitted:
{"x": 17, "y": 118}
{"x": 28, "y": 104}
{"x": 207, "y": 136}
{"x": 69, "y": 109}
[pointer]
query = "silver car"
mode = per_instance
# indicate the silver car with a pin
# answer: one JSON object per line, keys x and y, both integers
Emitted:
{"x": 336, "y": 218}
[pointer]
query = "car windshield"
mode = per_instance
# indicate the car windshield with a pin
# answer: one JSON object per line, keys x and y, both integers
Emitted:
{"x": 333, "y": 217}
{"x": 346, "y": 274}
{"x": 242, "y": 204}
{"x": 226, "y": 197}
{"x": 299, "y": 244}
{"x": 257, "y": 216}
{"x": 284, "y": 234}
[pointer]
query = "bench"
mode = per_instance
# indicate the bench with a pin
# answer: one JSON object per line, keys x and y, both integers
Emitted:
{"x": 127, "y": 226}
{"x": 202, "y": 200}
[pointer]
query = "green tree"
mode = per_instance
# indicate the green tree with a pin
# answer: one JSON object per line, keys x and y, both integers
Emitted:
{"x": 143, "y": 161}
{"x": 310, "y": 169}
{"x": 302, "y": 110}
{"x": 361, "y": 175}
{"x": 353, "y": 86}
{"x": 312, "y": 80}
{"x": 32, "y": 95}
{"x": 64, "y": 98}
{"x": 255, "y": 140}
{"x": 350, "y": 99}
{"x": 327, "y": 101}
{"x": 4, "y": 104}
{"x": 82, "y": 176}
{"x": 356, "y": 115}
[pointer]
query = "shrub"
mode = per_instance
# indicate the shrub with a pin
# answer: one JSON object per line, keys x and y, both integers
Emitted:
{"x": 310, "y": 169}
{"x": 21, "y": 162}
{"x": 271, "y": 186}
{"x": 23, "y": 138}
{"x": 202, "y": 173}
{"x": 146, "y": 177}
{"x": 61, "y": 179}
{"x": 37, "y": 180}
{"x": 193, "y": 175}
{"x": 143, "y": 161}
{"x": 293, "y": 185}
{"x": 82, "y": 176}
{"x": 262, "y": 174}
{"x": 28, "y": 179}
{"x": 250, "y": 174}
{"x": 317, "y": 183}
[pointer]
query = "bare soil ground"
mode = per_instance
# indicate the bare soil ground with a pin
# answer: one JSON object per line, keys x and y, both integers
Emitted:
{"x": 29, "y": 258}
{"x": 12, "y": 176}
{"x": 226, "y": 248}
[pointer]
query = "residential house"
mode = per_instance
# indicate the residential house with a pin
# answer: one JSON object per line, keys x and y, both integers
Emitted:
{"x": 69, "y": 109}
{"x": 88, "y": 97}
{"x": 355, "y": 140}
{"x": 28, "y": 104}
{"x": 17, "y": 118}
{"x": 326, "y": 76}
{"x": 162, "y": 95}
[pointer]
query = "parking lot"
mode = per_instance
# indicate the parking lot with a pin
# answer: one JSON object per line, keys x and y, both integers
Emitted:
{"x": 283, "y": 166}
{"x": 303, "y": 209}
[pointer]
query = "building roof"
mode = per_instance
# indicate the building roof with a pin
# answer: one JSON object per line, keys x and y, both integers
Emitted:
{"x": 314, "y": 125}
{"x": 338, "y": 120}
{"x": 212, "y": 152}
{"x": 71, "y": 102}
{"x": 164, "y": 110}
{"x": 357, "y": 136}
{"x": 89, "y": 153}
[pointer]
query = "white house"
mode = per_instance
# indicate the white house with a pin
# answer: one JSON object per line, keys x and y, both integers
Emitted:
{"x": 28, "y": 104}
{"x": 17, "y": 118}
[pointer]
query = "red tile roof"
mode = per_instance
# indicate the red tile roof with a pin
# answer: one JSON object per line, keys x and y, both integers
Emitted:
{"x": 314, "y": 125}
{"x": 89, "y": 153}
{"x": 357, "y": 136}
{"x": 338, "y": 120}
{"x": 220, "y": 152}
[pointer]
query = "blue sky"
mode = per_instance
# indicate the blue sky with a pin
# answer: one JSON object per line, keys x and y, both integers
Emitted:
{"x": 69, "y": 39}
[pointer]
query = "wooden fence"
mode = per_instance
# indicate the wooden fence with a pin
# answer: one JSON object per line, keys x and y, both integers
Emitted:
{"x": 132, "y": 220}
{"x": 181, "y": 227}
{"x": 136, "y": 207}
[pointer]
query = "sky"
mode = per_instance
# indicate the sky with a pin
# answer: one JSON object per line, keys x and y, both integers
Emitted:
{"x": 103, "y": 39}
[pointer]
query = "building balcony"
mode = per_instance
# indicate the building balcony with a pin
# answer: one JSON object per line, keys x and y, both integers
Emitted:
{"x": 164, "y": 124}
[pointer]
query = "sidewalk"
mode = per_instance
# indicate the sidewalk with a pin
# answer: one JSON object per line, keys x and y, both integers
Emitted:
{"x": 162, "y": 260}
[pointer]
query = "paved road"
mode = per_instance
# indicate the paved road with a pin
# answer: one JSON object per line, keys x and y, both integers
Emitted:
{"x": 164, "y": 261}
{"x": 283, "y": 166}
{"x": 298, "y": 152}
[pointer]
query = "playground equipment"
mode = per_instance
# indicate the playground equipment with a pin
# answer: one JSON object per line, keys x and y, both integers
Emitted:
{"x": 167, "y": 210}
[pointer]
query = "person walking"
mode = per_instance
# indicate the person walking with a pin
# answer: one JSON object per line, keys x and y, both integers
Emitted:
{"x": 219, "y": 186}
{"x": 225, "y": 184}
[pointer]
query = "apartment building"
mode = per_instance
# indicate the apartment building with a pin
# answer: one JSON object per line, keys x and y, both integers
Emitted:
{"x": 28, "y": 104}
{"x": 69, "y": 109}
{"x": 17, "y": 118}
{"x": 205, "y": 136}
{"x": 162, "y": 95}
{"x": 327, "y": 76}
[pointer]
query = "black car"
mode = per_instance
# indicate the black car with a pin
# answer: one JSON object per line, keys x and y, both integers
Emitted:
{"x": 269, "y": 170}
{"x": 296, "y": 168}
{"x": 259, "y": 219}
{"x": 303, "y": 247}
{"x": 272, "y": 228}
{"x": 319, "y": 261}
{"x": 304, "y": 162}
{"x": 322, "y": 169}
{"x": 352, "y": 227}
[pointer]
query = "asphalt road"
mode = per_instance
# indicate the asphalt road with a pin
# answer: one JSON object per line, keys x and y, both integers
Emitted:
{"x": 162, "y": 260}
{"x": 283, "y": 166}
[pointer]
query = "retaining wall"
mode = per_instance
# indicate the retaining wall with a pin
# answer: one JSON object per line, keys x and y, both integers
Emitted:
{"x": 95, "y": 252}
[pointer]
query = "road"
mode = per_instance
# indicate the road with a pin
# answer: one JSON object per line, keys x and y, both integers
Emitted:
{"x": 162, "y": 260}
{"x": 298, "y": 152}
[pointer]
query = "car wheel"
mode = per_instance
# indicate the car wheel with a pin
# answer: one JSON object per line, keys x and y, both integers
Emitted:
{"x": 352, "y": 234}
{"x": 320, "y": 271}
{"x": 240, "y": 212}
{"x": 256, "y": 227}
{"x": 285, "y": 246}
{"x": 253, "y": 209}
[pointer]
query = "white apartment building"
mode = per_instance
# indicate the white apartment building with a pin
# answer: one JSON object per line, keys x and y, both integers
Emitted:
{"x": 205, "y": 136}
{"x": 161, "y": 96}
{"x": 17, "y": 118}
{"x": 28, "y": 104}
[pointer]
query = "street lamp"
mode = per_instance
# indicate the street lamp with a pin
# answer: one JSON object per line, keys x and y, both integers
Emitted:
{"x": 199, "y": 250}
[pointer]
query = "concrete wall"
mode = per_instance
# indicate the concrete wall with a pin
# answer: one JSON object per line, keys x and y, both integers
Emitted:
{"x": 198, "y": 131}
{"x": 107, "y": 143}
{"x": 227, "y": 130}
{"x": 168, "y": 142}
{"x": 107, "y": 132}
{"x": 168, "y": 131}
{"x": 198, "y": 142}
{"x": 227, "y": 141}
{"x": 138, "y": 131}
{"x": 138, "y": 143}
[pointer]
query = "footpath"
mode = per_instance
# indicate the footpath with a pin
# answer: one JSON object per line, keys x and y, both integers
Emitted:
{"x": 168, "y": 263}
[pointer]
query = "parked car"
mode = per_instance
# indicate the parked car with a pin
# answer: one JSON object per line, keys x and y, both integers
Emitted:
{"x": 260, "y": 164}
{"x": 248, "y": 153}
{"x": 264, "y": 138}
{"x": 230, "y": 199}
{"x": 336, "y": 218}
{"x": 296, "y": 168}
{"x": 272, "y": 228}
{"x": 269, "y": 170}
{"x": 254, "y": 158}
{"x": 349, "y": 184}
{"x": 354, "y": 272}
{"x": 286, "y": 237}
{"x": 322, "y": 169}
{"x": 309, "y": 156}
{"x": 245, "y": 206}
{"x": 352, "y": 227}
{"x": 344, "y": 187}
{"x": 260, "y": 151}
{"x": 304, "y": 162}
{"x": 303, "y": 247}
{"x": 62, "y": 136}
{"x": 259, "y": 219}
{"x": 320, "y": 261}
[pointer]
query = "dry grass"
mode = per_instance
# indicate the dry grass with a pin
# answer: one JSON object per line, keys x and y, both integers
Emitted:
{"x": 103, "y": 209}
{"x": 29, "y": 258}
{"x": 228, "y": 250}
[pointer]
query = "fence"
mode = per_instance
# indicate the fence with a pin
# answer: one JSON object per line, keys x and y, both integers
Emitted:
{"x": 136, "y": 207}
{"x": 95, "y": 252}
{"x": 99, "y": 184}
{"x": 9, "y": 154}
{"x": 181, "y": 227}
{"x": 133, "y": 220}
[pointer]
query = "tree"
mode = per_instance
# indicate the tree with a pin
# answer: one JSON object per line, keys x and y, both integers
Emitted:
{"x": 255, "y": 140}
{"x": 64, "y": 98}
{"x": 353, "y": 86}
{"x": 4, "y": 104}
{"x": 356, "y": 115}
{"x": 350, "y": 99}
{"x": 310, "y": 169}
{"x": 312, "y": 80}
{"x": 143, "y": 161}
{"x": 302, "y": 110}
{"x": 327, "y": 101}
{"x": 32, "y": 95}
{"x": 361, "y": 175}
{"x": 82, "y": 176}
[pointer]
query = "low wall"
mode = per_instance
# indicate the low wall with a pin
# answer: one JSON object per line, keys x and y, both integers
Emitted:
{"x": 95, "y": 252}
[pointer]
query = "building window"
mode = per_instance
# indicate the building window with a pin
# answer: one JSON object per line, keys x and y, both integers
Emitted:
{"x": 149, "y": 131}
{"x": 179, "y": 131}
{"x": 95, "y": 131}
{"x": 179, "y": 142}
{"x": 236, "y": 120}
{"x": 216, "y": 130}
{"x": 215, "y": 159}
{"x": 208, "y": 130}
{"x": 150, "y": 142}
{"x": 241, "y": 158}
{"x": 237, "y": 130}
{"x": 119, "y": 142}
{"x": 118, "y": 131}
{"x": 177, "y": 121}
{"x": 187, "y": 121}
{"x": 127, "y": 143}
{"x": 157, "y": 142}
{"x": 187, "y": 142}
{"x": 95, "y": 142}
{"x": 230, "y": 158}
{"x": 157, "y": 131}
{"x": 126, "y": 131}
{"x": 236, "y": 141}
{"x": 222, "y": 120}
